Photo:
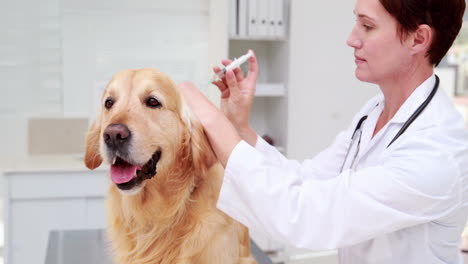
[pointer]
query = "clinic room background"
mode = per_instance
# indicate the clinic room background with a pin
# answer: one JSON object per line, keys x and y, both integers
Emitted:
{"x": 56, "y": 57}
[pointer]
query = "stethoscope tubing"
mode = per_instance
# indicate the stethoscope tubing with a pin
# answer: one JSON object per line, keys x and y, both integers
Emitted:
{"x": 402, "y": 130}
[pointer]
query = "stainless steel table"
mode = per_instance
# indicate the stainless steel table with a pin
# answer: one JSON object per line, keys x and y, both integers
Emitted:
{"x": 90, "y": 246}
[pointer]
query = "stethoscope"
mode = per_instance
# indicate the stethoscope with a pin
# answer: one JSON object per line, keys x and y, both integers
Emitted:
{"x": 358, "y": 131}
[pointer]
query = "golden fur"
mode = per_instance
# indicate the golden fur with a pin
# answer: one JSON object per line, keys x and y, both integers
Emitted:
{"x": 173, "y": 218}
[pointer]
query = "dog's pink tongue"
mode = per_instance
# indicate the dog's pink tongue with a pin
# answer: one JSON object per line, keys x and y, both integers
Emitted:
{"x": 123, "y": 173}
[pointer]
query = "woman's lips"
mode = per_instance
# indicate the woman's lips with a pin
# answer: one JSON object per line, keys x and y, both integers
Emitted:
{"x": 359, "y": 60}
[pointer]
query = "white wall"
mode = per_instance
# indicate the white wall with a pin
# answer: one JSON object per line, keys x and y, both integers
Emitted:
{"x": 323, "y": 92}
{"x": 58, "y": 54}
{"x": 96, "y": 38}
{"x": 28, "y": 60}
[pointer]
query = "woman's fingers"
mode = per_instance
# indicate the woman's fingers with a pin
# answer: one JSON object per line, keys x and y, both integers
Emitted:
{"x": 253, "y": 68}
{"x": 239, "y": 74}
{"x": 222, "y": 88}
{"x": 226, "y": 62}
{"x": 232, "y": 83}
{"x": 221, "y": 85}
{"x": 217, "y": 69}
{"x": 237, "y": 71}
{"x": 225, "y": 94}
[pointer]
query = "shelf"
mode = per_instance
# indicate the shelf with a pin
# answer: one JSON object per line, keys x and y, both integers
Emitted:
{"x": 264, "y": 38}
{"x": 270, "y": 90}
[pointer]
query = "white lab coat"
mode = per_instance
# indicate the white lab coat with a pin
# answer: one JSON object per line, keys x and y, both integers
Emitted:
{"x": 407, "y": 203}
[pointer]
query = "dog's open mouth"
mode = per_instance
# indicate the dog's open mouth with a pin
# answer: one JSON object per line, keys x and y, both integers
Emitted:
{"x": 126, "y": 175}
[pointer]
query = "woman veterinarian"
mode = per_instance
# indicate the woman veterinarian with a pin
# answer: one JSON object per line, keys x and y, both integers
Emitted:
{"x": 393, "y": 186}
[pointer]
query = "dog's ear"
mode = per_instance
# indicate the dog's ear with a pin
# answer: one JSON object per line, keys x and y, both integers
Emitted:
{"x": 92, "y": 157}
{"x": 202, "y": 153}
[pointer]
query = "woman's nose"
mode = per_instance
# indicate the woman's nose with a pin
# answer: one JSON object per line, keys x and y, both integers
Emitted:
{"x": 353, "y": 41}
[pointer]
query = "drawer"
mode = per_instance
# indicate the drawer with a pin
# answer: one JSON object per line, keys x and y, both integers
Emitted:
{"x": 51, "y": 185}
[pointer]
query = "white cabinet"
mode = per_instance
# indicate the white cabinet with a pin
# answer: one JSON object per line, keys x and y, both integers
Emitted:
{"x": 39, "y": 201}
{"x": 270, "y": 108}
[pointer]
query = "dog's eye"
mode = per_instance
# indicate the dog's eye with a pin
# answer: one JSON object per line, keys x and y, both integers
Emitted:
{"x": 109, "y": 103}
{"x": 153, "y": 102}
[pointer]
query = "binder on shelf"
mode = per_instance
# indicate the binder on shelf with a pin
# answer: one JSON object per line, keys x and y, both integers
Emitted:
{"x": 280, "y": 27}
{"x": 262, "y": 15}
{"x": 272, "y": 18}
{"x": 242, "y": 17}
{"x": 233, "y": 21}
{"x": 252, "y": 19}
{"x": 257, "y": 19}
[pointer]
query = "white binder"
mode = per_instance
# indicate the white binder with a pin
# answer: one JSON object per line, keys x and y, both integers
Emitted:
{"x": 242, "y": 17}
{"x": 263, "y": 10}
{"x": 280, "y": 23}
{"x": 272, "y": 18}
{"x": 253, "y": 18}
{"x": 233, "y": 20}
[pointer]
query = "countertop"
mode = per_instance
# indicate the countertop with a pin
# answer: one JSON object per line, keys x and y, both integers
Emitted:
{"x": 45, "y": 163}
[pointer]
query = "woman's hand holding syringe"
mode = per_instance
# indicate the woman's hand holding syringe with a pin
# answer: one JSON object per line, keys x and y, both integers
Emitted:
{"x": 237, "y": 93}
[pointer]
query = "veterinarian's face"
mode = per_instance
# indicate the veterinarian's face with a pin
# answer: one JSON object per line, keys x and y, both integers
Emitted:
{"x": 140, "y": 127}
{"x": 379, "y": 52}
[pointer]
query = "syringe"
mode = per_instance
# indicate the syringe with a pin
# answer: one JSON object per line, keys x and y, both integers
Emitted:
{"x": 236, "y": 63}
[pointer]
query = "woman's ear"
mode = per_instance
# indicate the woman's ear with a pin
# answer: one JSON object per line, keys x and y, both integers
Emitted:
{"x": 92, "y": 157}
{"x": 422, "y": 39}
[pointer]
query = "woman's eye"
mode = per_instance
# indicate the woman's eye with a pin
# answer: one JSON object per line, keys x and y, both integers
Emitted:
{"x": 153, "y": 102}
{"x": 108, "y": 103}
{"x": 367, "y": 27}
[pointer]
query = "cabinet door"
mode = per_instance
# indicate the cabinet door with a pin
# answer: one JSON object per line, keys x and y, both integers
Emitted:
{"x": 32, "y": 220}
{"x": 96, "y": 213}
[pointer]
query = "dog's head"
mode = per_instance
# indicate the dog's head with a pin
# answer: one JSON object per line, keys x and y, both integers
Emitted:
{"x": 144, "y": 130}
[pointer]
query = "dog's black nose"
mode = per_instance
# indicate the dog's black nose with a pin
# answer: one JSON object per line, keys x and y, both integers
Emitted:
{"x": 116, "y": 135}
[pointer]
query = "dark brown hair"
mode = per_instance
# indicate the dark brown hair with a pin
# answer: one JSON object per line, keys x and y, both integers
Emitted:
{"x": 445, "y": 17}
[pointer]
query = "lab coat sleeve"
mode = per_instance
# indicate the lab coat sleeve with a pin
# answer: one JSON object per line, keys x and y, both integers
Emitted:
{"x": 325, "y": 165}
{"x": 417, "y": 183}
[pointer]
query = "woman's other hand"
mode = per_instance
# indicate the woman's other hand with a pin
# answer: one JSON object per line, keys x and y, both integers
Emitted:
{"x": 237, "y": 94}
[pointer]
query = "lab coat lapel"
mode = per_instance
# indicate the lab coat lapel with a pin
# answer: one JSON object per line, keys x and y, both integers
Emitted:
{"x": 368, "y": 129}
{"x": 406, "y": 110}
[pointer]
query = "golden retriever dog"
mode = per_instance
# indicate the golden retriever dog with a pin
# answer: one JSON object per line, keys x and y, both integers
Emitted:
{"x": 161, "y": 205}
